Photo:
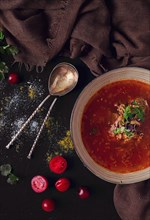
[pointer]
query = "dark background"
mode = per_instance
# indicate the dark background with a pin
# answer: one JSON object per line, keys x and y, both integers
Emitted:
{"x": 20, "y": 202}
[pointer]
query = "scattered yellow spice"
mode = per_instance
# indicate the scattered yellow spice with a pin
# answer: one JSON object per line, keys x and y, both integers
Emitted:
{"x": 48, "y": 123}
{"x": 49, "y": 156}
{"x": 31, "y": 93}
{"x": 66, "y": 143}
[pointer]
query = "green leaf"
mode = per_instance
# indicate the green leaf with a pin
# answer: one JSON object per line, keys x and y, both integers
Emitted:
{"x": 5, "y": 169}
{"x": 127, "y": 113}
{"x": 139, "y": 113}
{"x": 2, "y": 35}
{"x": 13, "y": 50}
{"x": 9, "y": 49}
{"x": 12, "y": 179}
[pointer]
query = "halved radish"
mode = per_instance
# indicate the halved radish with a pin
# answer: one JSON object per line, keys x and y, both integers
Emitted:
{"x": 39, "y": 184}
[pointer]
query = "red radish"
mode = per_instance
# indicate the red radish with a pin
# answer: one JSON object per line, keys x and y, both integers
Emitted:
{"x": 83, "y": 192}
{"x": 58, "y": 164}
{"x": 62, "y": 184}
{"x": 39, "y": 184}
{"x": 13, "y": 78}
{"x": 48, "y": 205}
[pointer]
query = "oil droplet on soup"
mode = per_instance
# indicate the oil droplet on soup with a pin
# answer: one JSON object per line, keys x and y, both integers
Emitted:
{"x": 128, "y": 149}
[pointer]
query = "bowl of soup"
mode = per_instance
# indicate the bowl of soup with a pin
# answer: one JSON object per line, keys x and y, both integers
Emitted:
{"x": 110, "y": 126}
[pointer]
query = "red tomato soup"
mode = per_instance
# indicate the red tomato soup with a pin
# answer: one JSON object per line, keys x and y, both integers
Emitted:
{"x": 115, "y": 126}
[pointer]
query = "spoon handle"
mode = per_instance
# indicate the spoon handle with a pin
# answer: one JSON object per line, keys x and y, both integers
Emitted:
{"x": 25, "y": 124}
{"x": 41, "y": 128}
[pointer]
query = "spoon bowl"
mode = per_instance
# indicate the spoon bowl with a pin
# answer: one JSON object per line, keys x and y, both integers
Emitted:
{"x": 62, "y": 79}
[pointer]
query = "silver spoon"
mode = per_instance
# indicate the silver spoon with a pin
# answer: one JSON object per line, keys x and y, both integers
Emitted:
{"x": 62, "y": 80}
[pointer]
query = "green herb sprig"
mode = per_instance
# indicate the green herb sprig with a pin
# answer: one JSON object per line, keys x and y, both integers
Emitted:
{"x": 5, "y": 49}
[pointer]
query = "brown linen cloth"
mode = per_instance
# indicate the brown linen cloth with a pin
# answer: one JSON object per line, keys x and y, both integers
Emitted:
{"x": 105, "y": 34}
{"x": 132, "y": 201}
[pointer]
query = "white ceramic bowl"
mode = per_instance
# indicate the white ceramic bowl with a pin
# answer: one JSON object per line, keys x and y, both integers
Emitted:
{"x": 76, "y": 117}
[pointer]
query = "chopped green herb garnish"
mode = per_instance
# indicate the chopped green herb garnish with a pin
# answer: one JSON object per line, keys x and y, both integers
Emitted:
{"x": 117, "y": 131}
{"x": 127, "y": 113}
{"x": 129, "y": 118}
{"x": 131, "y": 112}
{"x": 139, "y": 113}
{"x": 128, "y": 132}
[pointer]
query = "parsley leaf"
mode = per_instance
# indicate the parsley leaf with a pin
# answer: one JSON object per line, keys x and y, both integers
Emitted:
{"x": 12, "y": 179}
{"x": 139, "y": 113}
{"x": 131, "y": 112}
{"x": 127, "y": 113}
{"x": 5, "y": 169}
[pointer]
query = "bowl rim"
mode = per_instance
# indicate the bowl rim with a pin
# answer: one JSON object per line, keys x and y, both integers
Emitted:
{"x": 101, "y": 172}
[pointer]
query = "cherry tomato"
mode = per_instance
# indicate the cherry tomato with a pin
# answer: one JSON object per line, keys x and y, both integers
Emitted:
{"x": 48, "y": 205}
{"x": 39, "y": 184}
{"x": 62, "y": 184}
{"x": 83, "y": 192}
{"x": 58, "y": 164}
{"x": 13, "y": 78}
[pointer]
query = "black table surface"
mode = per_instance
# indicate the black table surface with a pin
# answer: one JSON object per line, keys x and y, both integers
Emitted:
{"x": 20, "y": 202}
